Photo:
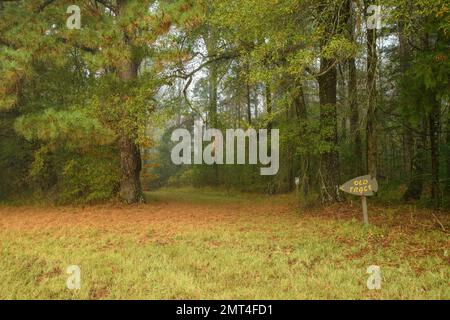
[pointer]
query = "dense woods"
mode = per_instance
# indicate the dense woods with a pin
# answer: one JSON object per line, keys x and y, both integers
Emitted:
{"x": 355, "y": 87}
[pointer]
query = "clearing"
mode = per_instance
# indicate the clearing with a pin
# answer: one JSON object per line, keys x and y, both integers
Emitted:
{"x": 190, "y": 244}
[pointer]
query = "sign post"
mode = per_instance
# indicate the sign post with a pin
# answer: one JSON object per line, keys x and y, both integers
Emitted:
{"x": 364, "y": 208}
{"x": 364, "y": 187}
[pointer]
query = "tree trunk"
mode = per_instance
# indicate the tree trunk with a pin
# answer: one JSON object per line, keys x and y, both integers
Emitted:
{"x": 329, "y": 168}
{"x": 212, "y": 115}
{"x": 269, "y": 107}
{"x": 130, "y": 156}
{"x": 255, "y": 99}
{"x": 415, "y": 186}
{"x": 213, "y": 82}
{"x": 249, "y": 104}
{"x": 434, "y": 126}
{"x": 355, "y": 130}
{"x": 130, "y": 160}
{"x": 448, "y": 152}
{"x": 303, "y": 171}
{"x": 249, "y": 98}
{"x": 414, "y": 155}
{"x": 371, "y": 125}
{"x": 211, "y": 44}
{"x": 408, "y": 152}
{"x": 408, "y": 138}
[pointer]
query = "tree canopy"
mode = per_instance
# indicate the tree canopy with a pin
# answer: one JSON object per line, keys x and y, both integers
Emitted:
{"x": 355, "y": 87}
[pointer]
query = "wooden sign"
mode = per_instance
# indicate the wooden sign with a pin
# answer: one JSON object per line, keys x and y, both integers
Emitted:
{"x": 361, "y": 186}
{"x": 364, "y": 187}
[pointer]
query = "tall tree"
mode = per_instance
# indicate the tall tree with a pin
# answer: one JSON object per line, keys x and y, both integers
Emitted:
{"x": 371, "y": 120}
{"x": 355, "y": 126}
{"x": 130, "y": 157}
{"x": 329, "y": 169}
{"x": 114, "y": 38}
{"x": 334, "y": 28}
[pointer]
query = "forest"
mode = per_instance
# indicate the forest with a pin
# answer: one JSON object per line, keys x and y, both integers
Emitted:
{"x": 97, "y": 95}
{"x": 354, "y": 88}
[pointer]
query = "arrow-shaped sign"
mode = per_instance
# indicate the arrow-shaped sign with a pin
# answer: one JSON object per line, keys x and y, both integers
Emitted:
{"x": 361, "y": 186}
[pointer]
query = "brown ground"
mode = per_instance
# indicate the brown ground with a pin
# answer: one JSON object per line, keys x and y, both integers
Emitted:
{"x": 174, "y": 217}
{"x": 170, "y": 217}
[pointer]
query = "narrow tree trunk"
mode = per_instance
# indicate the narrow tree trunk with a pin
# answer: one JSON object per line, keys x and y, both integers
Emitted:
{"x": 249, "y": 103}
{"x": 371, "y": 125}
{"x": 213, "y": 118}
{"x": 211, "y": 44}
{"x": 304, "y": 172}
{"x": 406, "y": 101}
{"x": 414, "y": 155}
{"x": 408, "y": 152}
{"x": 355, "y": 128}
{"x": 213, "y": 82}
{"x": 269, "y": 107}
{"x": 434, "y": 126}
{"x": 448, "y": 152}
{"x": 329, "y": 168}
{"x": 255, "y": 98}
{"x": 248, "y": 96}
{"x": 416, "y": 182}
{"x": 212, "y": 115}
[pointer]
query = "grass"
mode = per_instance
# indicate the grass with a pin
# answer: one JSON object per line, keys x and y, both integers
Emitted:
{"x": 187, "y": 244}
{"x": 200, "y": 195}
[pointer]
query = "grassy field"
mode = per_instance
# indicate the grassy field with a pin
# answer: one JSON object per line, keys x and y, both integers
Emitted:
{"x": 213, "y": 245}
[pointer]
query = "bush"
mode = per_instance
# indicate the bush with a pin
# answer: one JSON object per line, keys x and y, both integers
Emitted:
{"x": 87, "y": 180}
{"x": 75, "y": 178}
